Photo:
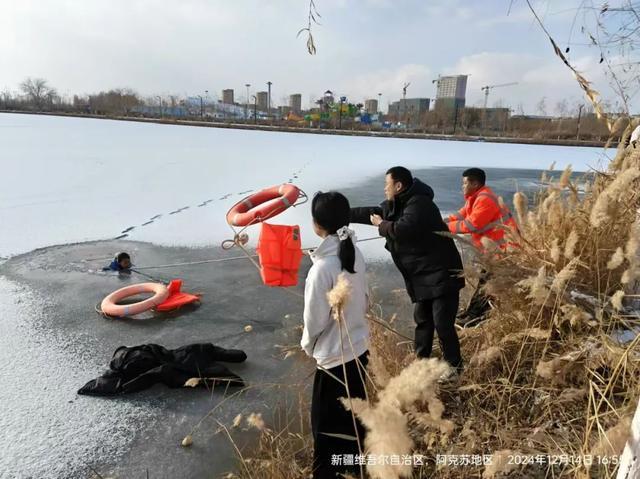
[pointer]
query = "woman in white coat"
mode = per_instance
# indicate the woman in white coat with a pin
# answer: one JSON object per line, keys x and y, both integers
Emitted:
{"x": 338, "y": 346}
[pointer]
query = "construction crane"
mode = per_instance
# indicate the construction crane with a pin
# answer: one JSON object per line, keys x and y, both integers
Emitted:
{"x": 491, "y": 87}
{"x": 404, "y": 101}
{"x": 404, "y": 90}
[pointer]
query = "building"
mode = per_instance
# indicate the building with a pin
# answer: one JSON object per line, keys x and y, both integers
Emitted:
{"x": 409, "y": 109}
{"x": 452, "y": 87}
{"x": 263, "y": 100}
{"x": 451, "y": 92}
{"x": 371, "y": 106}
{"x": 227, "y": 96}
{"x": 295, "y": 102}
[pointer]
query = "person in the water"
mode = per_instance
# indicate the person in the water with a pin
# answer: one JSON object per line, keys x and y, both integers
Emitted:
{"x": 122, "y": 263}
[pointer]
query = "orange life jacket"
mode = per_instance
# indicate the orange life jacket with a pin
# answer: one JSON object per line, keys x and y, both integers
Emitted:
{"x": 176, "y": 297}
{"x": 482, "y": 215}
{"x": 280, "y": 253}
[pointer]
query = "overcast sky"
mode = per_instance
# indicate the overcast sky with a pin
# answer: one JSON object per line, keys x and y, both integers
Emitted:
{"x": 364, "y": 47}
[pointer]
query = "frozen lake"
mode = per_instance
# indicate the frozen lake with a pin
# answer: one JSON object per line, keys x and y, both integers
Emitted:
{"x": 67, "y": 180}
{"x": 72, "y": 180}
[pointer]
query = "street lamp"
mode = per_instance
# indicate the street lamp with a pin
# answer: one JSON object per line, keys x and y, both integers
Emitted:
{"x": 206, "y": 95}
{"x": 201, "y": 107}
{"x": 246, "y": 104}
{"x": 342, "y": 100}
{"x": 379, "y": 102}
{"x": 255, "y": 109}
{"x": 269, "y": 99}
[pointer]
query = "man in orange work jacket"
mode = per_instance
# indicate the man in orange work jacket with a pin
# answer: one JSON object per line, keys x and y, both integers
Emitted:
{"x": 481, "y": 216}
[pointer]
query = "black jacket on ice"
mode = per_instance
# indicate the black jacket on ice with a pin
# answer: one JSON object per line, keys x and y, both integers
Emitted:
{"x": 429, "y": 262}
{"x": 139, "y": 367}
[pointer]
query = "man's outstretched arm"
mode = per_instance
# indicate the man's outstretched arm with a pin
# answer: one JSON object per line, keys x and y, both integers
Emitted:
{"x": 362, "y": 215}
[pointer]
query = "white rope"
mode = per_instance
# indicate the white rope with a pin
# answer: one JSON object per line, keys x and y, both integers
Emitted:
{"x": 189, "y": 263}
{"x": 222, "y": 260}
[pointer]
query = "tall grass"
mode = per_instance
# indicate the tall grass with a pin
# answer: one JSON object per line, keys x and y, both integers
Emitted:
{"x": 545, "y": 373}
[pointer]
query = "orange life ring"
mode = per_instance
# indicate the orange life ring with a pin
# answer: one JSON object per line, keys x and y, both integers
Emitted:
{"x": 263, "y": 205}
{"x": 110, "y": 307}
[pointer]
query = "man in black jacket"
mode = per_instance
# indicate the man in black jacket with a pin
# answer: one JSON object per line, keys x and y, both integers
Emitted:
{"x": 429, "y": 262}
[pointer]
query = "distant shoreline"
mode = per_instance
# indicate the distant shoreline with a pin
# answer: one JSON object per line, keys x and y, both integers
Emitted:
{"x": 324, "y": 131}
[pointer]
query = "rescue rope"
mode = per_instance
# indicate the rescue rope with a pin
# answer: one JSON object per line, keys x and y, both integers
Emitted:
{"x": 152, "y": 278}
{"x": 222, "y": 260}
{"x": 189, "y": 263}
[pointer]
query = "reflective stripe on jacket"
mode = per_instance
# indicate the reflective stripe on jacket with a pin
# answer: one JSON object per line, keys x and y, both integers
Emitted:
{"x": 482, "y": 215}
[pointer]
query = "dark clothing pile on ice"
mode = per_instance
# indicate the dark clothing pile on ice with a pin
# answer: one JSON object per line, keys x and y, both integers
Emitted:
{"x": 136, "y": 368}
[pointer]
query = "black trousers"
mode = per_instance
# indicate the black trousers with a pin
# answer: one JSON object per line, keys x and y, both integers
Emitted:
{"x": 329, "y": 416}
{"x": 438, "y": 315}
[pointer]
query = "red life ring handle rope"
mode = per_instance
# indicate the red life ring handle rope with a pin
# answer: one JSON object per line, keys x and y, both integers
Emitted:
{"x": 264, "y": 204}
{"x": 260, "y": 207}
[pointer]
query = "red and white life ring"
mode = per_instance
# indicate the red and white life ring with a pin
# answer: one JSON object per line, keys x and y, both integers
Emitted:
{"x": 263, "y": 205}
{"x": 110, "y": 307}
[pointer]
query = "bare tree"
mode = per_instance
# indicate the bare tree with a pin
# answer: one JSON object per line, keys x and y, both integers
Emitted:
{"x": 174, "y": 101}
{"x": 6, "y": 98}
{"x": 541, "y": 106}
{"x": 612, "y": 28}
{"x": 562, "y": 108}
{"x": 118, "y": 101}
{"x": 80, "y": 103}
{"x": 38, "y": 91}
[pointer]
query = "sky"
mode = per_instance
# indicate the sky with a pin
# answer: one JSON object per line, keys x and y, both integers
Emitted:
{"x": 364, "y": 47}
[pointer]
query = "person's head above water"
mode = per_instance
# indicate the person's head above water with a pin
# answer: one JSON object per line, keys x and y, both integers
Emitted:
{"x": 124, "y": 260}
{"x": 331, "y": 212}
{"x": 396, "y": 180}
{"x": 472, "y": 180}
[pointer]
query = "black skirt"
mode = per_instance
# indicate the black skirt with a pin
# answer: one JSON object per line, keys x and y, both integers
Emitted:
{"x": 333, "y": 455}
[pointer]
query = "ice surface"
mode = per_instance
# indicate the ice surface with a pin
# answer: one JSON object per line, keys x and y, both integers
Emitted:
{"x": 46, "y": 431}
{"x": 67, "y": 179}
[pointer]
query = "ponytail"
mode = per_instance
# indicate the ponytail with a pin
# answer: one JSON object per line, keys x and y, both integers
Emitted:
{"x": 331, "y": 211}
{"x": 347, "y": 255}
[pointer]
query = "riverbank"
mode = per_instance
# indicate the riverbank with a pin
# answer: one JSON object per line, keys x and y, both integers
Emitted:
{"x": 324, "y": 131}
